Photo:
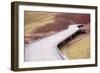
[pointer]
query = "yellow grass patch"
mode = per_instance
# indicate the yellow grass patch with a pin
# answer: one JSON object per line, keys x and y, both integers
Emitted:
{"x": 33, "y": 20}
{"x": 78, "y": 49}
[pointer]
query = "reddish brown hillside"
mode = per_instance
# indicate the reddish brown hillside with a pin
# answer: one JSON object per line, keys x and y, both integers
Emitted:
{"x": 62, "y": 21}
{"x": 41, "y": 24}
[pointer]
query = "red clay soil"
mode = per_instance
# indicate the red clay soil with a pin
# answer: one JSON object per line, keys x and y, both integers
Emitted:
{"x": 62, "y": 21}
{"x": 56, "y": 26}
{"x": 75, "y": 17}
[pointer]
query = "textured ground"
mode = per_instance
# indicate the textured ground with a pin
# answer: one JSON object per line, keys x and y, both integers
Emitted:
{"x": 43, "y": 23}
{"x": 78, "y": 48}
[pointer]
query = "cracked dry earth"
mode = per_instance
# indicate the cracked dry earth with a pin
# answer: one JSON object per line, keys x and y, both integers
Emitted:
{"x": 45, "y": 22}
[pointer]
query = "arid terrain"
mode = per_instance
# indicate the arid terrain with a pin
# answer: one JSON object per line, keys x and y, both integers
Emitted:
{"x": 42, "y": 24}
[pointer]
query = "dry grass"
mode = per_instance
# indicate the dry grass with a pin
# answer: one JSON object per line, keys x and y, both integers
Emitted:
{"x": 36, "y": 19}
{"x": 78, "y": 48}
